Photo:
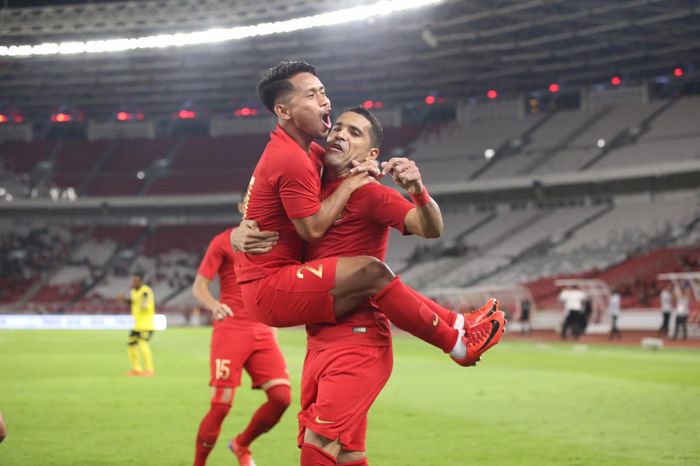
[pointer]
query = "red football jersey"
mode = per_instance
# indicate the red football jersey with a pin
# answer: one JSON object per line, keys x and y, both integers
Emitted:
{"x": 286, "y": 184}
{"x": 361, "y": 230}
{"x": 219, "y": 260}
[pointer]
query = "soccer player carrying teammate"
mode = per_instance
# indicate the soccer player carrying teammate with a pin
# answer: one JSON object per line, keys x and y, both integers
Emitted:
{"x": 143, "y": 308}
{"x": 284, "y": 196}
{"x": 238, "y": 342}
{"x": 348, "y": 363}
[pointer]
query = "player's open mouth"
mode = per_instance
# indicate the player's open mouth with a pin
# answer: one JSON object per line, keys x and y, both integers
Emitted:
{"x": 326, "y": 118}
{"x": 335, "y": 146}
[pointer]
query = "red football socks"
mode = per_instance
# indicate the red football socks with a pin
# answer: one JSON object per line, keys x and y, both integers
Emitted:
{"x": 208, "y": 432}
{"x": 408, "y": 312}
{"x": 311, "y": 455}
{"x": 445, "y": 314}
{"x": 278, "y": 399}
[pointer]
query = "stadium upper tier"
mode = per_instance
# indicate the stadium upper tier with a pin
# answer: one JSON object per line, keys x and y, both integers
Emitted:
{"x": 557, "y": 142}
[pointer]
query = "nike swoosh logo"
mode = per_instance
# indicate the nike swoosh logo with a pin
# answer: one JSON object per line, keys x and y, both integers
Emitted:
{"x": 318, "y": 420}
{"x": 436, "y": 319}
{"x": 495, "y": 325}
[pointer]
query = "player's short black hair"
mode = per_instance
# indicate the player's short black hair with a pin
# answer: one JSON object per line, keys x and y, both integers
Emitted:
{"x": 275, "y": 81}
{"x": 377, "y": 133}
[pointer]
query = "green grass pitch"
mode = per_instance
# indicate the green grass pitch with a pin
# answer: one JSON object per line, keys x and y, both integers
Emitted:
{"x": 67, "y": 402}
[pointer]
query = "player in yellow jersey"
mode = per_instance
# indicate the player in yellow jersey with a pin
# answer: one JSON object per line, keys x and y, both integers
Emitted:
{"x": 143, "y": 308}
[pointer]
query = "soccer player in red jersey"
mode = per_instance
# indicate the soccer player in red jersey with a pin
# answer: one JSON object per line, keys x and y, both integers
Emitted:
{"x": 238, "y": 342}
{"x": 348, "y": 363}
{"x": 284, "y": 196}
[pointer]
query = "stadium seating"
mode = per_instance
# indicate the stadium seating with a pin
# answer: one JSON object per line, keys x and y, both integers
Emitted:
{"x": 559, "y": 142}
{"x": 74, "y": 161}
{"x": 209, "y": 165}
{"x": 21, "y": 157}
{"x": 118, "y": 176}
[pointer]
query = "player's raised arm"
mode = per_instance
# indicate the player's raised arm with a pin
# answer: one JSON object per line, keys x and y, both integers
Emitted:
{"x": 314, "y": 226}
{"x": 200, "y": 290}
{"x": 425, "y": 219}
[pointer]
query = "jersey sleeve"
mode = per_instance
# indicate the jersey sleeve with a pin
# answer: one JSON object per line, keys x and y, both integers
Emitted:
{"x": 212, "y": 259}
{"x": 300, "y": 189}
{"x": 386, "y": 206}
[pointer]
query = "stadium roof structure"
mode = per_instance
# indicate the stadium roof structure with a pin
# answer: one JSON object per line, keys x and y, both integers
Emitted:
{"x": 455, "y": 49}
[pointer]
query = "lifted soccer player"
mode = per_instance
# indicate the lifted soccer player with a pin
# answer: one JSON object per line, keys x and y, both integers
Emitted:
{"x": 143, "y": 308}
{"x": 283, "y": 196}
{"x": 238, "y": 342}
{"x": 348, "y": 362}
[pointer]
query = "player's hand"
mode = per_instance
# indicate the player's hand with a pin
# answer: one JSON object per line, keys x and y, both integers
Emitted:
{"x": 121, "y": 298}
{"x": 358, "y": 180}
{"x": 221, "y": 311}
{"x": 405, "y": 174}
{"x": 249, "y": 239}
{"x": 369, "y": 165}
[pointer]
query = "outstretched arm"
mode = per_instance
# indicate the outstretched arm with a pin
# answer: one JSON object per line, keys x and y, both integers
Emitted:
{"x": 200, "y": 290}
{"x": 425, "y": 219}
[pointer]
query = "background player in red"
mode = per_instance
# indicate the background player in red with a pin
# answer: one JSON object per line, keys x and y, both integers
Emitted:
{"x": 348, "y": 363}
{"x": 284, "y": 196}
{"x": 238, "y": 342}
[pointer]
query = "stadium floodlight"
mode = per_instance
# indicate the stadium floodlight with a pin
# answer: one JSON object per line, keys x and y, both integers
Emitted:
{"x": 217, "y": 35}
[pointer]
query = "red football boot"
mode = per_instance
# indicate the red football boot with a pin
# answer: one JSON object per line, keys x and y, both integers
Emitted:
{"x": 481, "y": 337}
{"x": 243, "y": 454}
{"x": 475, "y": 317}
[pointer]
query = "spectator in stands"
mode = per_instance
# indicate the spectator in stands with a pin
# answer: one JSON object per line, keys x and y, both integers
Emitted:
{"x": 682, "y": 309}
{"x": 573, "y": 300}
{"x": 614, "y": 310}
{"x": 666, "y": 301}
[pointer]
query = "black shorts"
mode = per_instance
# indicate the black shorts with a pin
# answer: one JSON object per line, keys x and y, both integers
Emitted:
{"x": 136, "y": 335}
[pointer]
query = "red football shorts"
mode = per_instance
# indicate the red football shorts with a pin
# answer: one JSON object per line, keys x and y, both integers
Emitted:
{"x": 294, "y": 295}
{"x": 255, "y": 350}
{"x": 338, "y": 386}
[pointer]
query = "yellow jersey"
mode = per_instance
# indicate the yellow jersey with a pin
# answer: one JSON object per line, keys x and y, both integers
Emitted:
{"x": 143, "y": 307}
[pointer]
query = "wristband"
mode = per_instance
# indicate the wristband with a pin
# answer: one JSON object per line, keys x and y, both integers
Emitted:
{"x": 420, "y": 199}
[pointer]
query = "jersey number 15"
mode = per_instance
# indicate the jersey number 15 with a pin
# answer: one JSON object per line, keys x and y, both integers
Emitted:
{"x": 222, "y": 369}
